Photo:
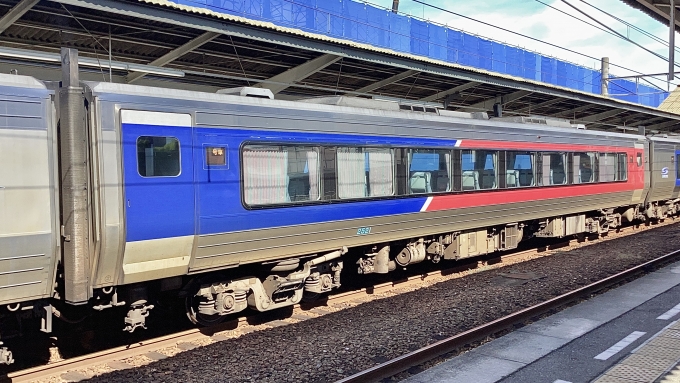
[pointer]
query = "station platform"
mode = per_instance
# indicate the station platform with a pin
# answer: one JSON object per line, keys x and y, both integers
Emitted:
{"x": 630, "y": 334}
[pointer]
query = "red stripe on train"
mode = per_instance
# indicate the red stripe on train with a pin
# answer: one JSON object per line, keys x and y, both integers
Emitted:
{"x": 538, "y": 145}
{"x": 487, "y": 198}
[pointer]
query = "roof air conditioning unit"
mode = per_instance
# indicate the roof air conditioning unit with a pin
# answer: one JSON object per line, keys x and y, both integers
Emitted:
{"x": 248, "y": 91}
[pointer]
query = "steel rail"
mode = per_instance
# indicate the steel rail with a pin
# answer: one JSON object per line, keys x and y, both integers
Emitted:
{"x": 442, "y": 347}
{"x": 154, "y": 344}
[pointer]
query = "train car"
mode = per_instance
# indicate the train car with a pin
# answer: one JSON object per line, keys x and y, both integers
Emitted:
{"x": 234, "y": 199}
{"x": 29, "y": 228}
{"x": 198, "y": 185}
{"x": 662, "y": 199}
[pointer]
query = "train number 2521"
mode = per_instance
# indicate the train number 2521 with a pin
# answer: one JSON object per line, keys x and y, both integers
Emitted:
{"x": 364, "y": 230}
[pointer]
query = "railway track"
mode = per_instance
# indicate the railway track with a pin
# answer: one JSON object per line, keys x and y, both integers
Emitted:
{"x": 206, "y": 334}
{"x": 458, "y": 341}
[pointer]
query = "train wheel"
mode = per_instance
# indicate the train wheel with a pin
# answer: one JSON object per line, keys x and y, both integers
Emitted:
{"x": 192, "y": 304}
{"x": 310, "y": 297}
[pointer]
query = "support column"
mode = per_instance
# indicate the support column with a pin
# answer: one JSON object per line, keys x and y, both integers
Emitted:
{"x": 604, "y": 84}
{"x": 671, "y": 41}
{"x": 74, "y": 181}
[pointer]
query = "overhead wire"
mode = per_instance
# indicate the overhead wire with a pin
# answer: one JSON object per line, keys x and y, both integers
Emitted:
{"x": 621, "y": 36}
{"x": 527, "y": 37}
{"x": 574, "y": 17}
{"x": 614, "y": 33}
{"x": 650, "y": 35}
{"x": 617, "y": 33}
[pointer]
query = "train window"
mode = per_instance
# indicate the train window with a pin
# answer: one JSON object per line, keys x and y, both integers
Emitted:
{"x": 280, "y": 174}
{"x": 429, "y": 171}
{"x": 553, "y": 169}
{"x": 328, "y": 166}
{"x": 519, "y": 170}
{"x": 584, "y": 168}
{"x": 365, "y": 172}
{"x": 479, "y": 169}
{"x": 607, "y": 167}
{"x": 158, "y": 156}
{"x": 639, "y": 159}
{"x": 401, "y": 170}
{"x": 622, "y": 168}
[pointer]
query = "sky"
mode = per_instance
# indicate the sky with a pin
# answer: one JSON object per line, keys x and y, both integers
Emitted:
{"x": 530, "y": 17}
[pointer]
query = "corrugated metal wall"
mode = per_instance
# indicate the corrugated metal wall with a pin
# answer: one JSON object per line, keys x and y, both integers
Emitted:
{"x": 352, "y": 20}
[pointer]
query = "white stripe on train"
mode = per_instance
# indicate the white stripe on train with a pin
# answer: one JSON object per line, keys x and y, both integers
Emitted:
{"x": 426, "y": 204}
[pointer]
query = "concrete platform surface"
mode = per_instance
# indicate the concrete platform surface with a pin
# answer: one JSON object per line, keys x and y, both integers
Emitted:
{"x": 626, "y": 335}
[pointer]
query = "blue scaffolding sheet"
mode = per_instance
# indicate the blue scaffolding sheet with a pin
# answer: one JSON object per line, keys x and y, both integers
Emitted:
{"x": 357, "y": 21}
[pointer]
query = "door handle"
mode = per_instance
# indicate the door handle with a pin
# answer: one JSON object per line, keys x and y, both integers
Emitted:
{"x": 128, "y": 203}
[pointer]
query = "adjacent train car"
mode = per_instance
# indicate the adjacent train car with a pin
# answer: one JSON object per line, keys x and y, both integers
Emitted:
{"x": 231, "y": 201}
{"x": 29, "y": 208}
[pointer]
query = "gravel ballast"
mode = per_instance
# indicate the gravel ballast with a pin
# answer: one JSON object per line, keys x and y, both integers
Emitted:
{"x": 341, "y": 343}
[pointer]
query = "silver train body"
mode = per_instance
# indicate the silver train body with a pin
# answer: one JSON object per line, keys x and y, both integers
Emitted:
{"x": 67, "y": 244}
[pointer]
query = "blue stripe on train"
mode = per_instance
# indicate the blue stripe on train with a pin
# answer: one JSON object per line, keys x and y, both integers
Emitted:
{"x": 301, "y": 215}
{"x": 165, "y": 207}
{"x": 677, "y": 165}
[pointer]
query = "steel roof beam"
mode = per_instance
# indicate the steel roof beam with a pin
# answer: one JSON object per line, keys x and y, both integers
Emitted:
{"x": 390, "y": 80}
{"x": 489, "y": 102}
{"x": 445, "y": 93}
{"x": 15, "y": 13}
{"x": 176, "y": 53}
{"x": 662, "y": 125}
{"x": 571, "y": 113}
{"x": 539, "y": 105}
{"x": 596, "y": 118}
{"x": 284, "y": 80}
{"x": 322, "y": 44}
{"x": 648, "y": 121}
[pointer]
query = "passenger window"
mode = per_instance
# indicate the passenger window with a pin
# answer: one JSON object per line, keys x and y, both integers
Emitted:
{"x": 365, "y": 172}
{"x": 429, "y": 171}
{"x": 329, "y": 181}
{"x": 158, "y": 156}
{"x": 553, "y": 169}
{"x": 583, "y": 168}
{"x": 622, "y": 168}
{"x": 519, "y": 170}
{"x": 607, "y": 163}
{"x": 280, "y": 174}
{"x": 479, "y": 169}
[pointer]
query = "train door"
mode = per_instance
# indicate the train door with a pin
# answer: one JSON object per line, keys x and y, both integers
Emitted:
{"x": 159, "y": 194}
{"x": 216, "y": 180}
{"x": 218, "y": 201}
{"x": 640, "y": 169}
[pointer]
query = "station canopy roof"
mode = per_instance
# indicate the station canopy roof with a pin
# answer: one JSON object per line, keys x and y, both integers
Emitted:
{"x": 159, "y": 43}
{"x": 657, "y": 9}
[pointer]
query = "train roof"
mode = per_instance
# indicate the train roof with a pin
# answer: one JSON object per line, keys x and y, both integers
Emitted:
{"x": 14, "y": 80}
{"x": 358, "y": 106}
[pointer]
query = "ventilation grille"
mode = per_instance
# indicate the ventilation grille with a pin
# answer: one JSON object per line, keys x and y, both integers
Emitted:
{"x": 418, "y": 108}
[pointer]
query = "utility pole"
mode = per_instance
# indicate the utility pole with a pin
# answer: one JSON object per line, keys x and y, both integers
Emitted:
{"x": 671, "y": 41}
{"x": 604, "y": 83}
{"x": 395, "y": 6}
